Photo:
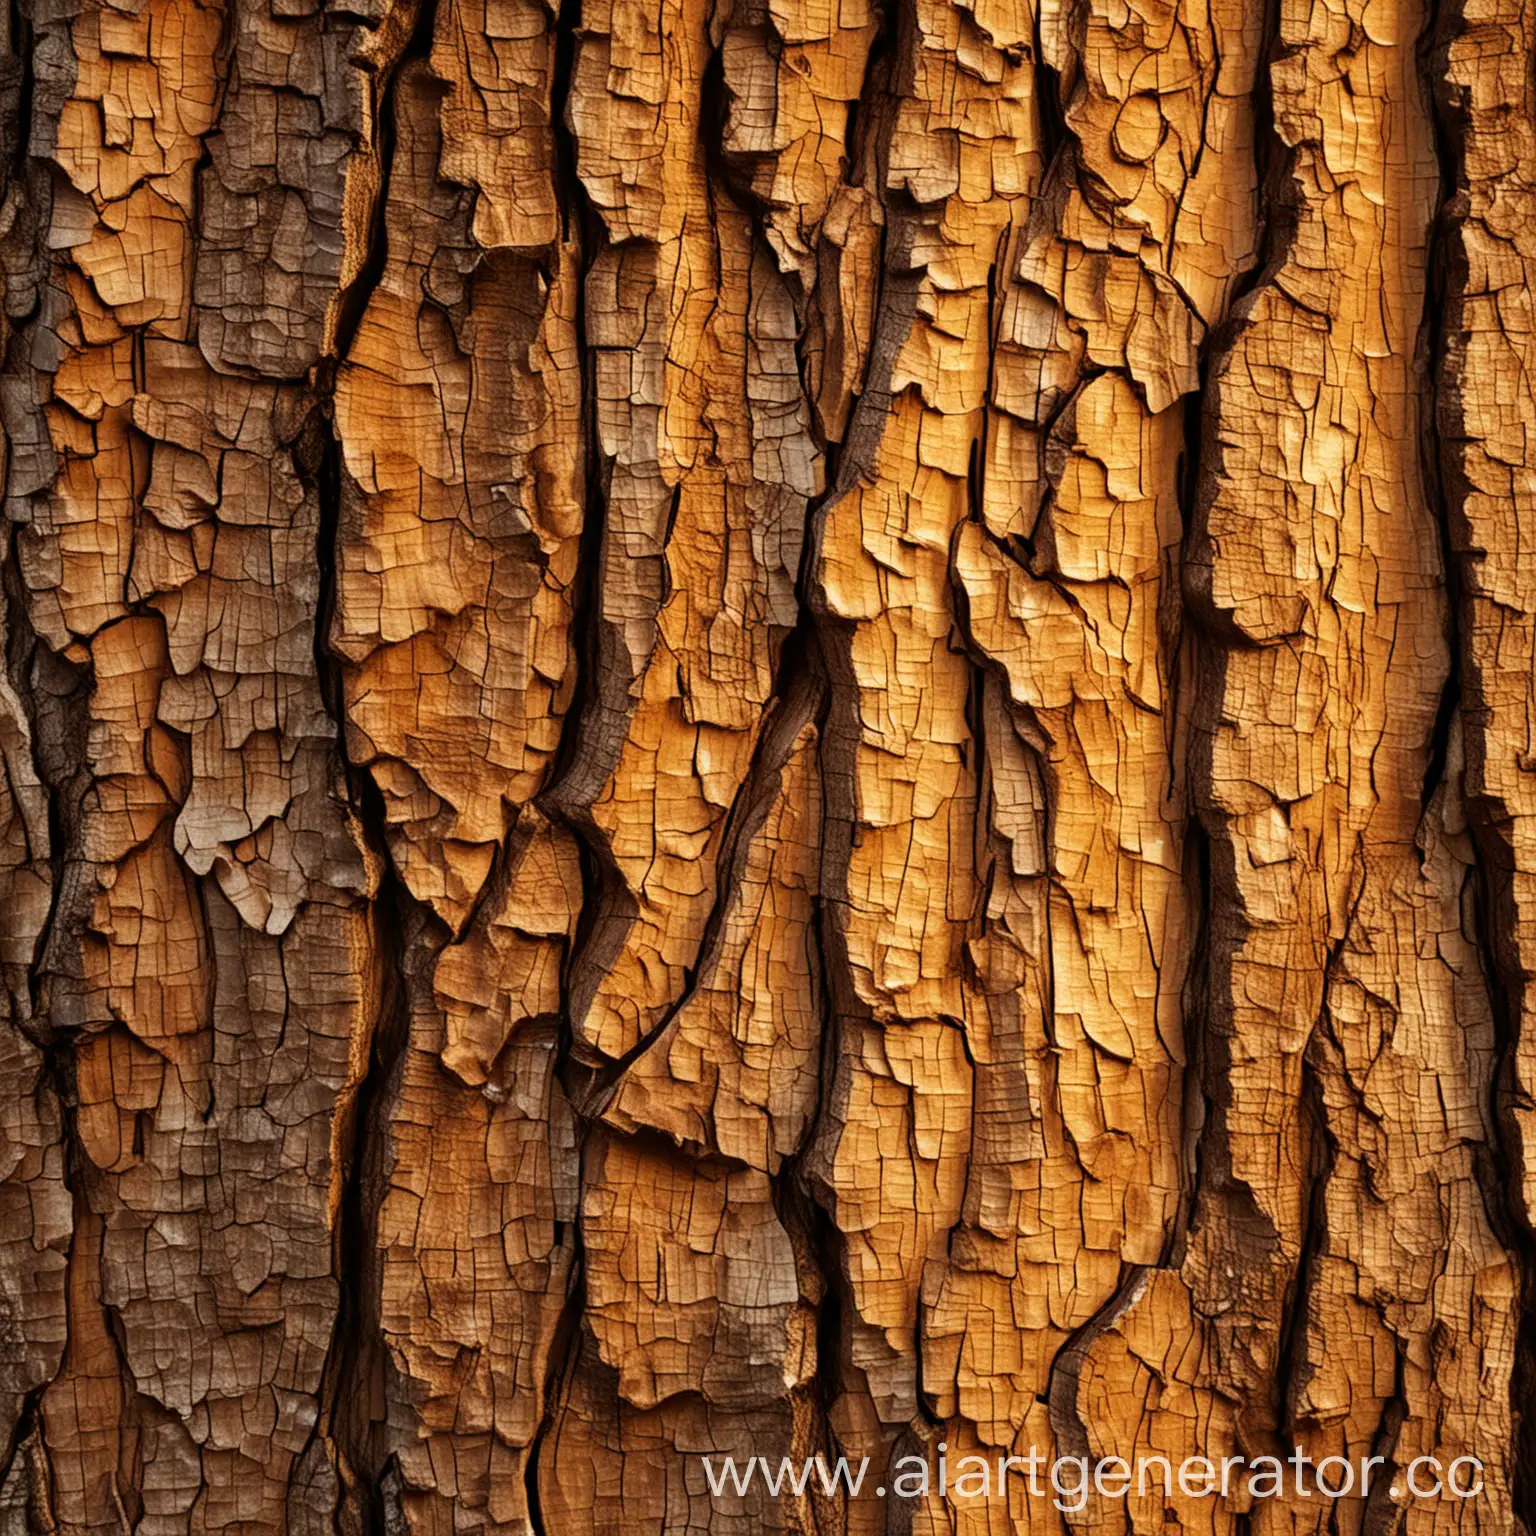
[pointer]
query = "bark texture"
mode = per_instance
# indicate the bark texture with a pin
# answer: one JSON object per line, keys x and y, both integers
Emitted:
{"x": 764, "y": 727}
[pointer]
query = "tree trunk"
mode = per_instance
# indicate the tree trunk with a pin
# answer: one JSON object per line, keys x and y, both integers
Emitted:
{"x": 766, "y": 728}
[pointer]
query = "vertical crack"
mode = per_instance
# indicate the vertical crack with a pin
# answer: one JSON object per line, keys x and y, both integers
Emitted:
{"x": 356, "y": 1362}
{"x": 564, "y": 793}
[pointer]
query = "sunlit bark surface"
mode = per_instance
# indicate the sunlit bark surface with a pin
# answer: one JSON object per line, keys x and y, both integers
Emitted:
{"x": 764, "y": 728}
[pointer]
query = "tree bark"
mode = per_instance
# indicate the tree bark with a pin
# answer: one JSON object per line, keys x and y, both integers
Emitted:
{"x": 765, "y": 728}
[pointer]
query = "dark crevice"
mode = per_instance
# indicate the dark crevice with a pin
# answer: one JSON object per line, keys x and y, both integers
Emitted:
{"x": 792, "y": 1186}
{"x": 18, "y": 84}
{"x": 28, "y": 1423}
{"x": 58, "y": 1074}
{"x": 1064, "y": 1376}
{"x": 1188, "y": 646}
{"x": 1321, "y": 1153}
{"x": 595, "y": 721}
{"x": 861, "y": 130}
{"x": 1278, "y": 211}
{"x": 356, "y": 1361}
{"x": 1049, "y": 94}
{"x": 798, "y": 1210}
{"x": 1322, "y": 1157}
{"x": 1218, "y": 1212}
{"x": 352, "y": 304}
{"x": 1382, "y": 1515}
{"x": 886, "y": 75}
{"x": 1279, "y": 200}
{"x": 1195, "y": 646}
{"x": 129, "y": 1500}
{"x": 564, "y": 1353}
{"x": 790, "y": 711}
{"x": 1199, "y": 1110}
{"x": 724, "y": 170}
{"x": 801, "y": 1183}
{"x": 1430, "y": 363}
{"x": 52, "y": 693}
{"x": 590, "y": 717}
{"x": 1501, "y": 1174}
{"x": 322, "y": 455}
{"x": 319, "y": 457}
{"x": 577, "y": 215}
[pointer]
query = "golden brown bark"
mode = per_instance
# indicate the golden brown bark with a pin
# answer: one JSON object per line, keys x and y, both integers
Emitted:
{"x": 765, "y": 728}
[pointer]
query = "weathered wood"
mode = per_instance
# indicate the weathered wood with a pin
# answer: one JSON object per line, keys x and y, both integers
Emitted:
{"x": 765, "y": 728}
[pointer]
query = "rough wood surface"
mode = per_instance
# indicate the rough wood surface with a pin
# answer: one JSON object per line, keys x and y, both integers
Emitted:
{"x": 765, "y": 728}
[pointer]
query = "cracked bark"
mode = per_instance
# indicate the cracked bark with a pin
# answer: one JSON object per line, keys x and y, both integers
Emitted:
{"x": 766, "y": 728}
